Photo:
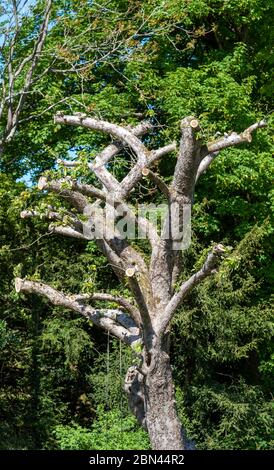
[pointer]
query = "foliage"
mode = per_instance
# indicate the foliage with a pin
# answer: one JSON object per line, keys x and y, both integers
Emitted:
{"x": 231, "y": 417}
{"x": 110, "y": 431}
{"x": 219, "y": 339}
{"x": 217, "y": 413}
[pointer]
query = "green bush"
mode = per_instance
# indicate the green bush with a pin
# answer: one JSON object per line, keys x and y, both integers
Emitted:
{"x": 111, "y": 431}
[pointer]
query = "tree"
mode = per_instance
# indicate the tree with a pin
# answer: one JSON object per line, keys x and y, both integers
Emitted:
{"x": 41, "y": 42}
{"x": 150, "y": 272}
{"x": 21, "y": 50}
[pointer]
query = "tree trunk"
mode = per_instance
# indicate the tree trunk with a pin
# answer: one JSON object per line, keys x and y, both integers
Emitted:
{"x": 163, "y": 425}
{"x": 152, "y": 400}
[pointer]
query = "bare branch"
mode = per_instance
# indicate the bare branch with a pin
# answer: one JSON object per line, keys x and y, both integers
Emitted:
{"x": 46, "y": 110}
{"x": 111, "y": 150}
{"x": 120, "y": 301}
{"x": 120, "y": 133}
{"x": 9, "y": 66}
{"x": 205, "y": 163}
{"x": 117, "y": 250}
{"x": 3, "y": 100}
{"x": 224, "y": 142}
{"x": 161, "y": 152}
{"x": 67, "y": 183}
{"x": 66, "y": 231}
{"x": 77, "y": 199}
{"x": 124, "y": 320}
{"x": 59, "y": 229}
{"x": 136, "y": 173}
{"x": 209, "y": 267}
{"x": 65, "y": 217}
{"x": 158, "y": 181}
{"x": 121, "y": 208}
{"x": 51, "y": 215}
{"x": 68, "y": 163}
{"x": 128, "y": 137}
{"x": 13, "y": 116}
{"x": 104, "y": 318}
{"x": 234, "y": 138}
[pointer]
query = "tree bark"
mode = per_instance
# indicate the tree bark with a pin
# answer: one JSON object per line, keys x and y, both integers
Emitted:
{"x": 152, "y": 400}
{"x": 163, "y": 424}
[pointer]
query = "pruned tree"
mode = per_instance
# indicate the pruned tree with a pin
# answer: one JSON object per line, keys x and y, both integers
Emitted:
{"x": 142, "y": 322}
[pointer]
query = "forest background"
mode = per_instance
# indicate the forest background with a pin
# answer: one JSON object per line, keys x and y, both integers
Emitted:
{"x": 127, "y": 61}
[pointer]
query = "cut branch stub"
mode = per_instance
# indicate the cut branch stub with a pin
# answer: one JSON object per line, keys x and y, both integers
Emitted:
{"x": 247, "y": 136}
{"x": 219, "y": 248}
{"x": 18, "y": 284}
{"x": 194, "y": 123}
{"x": 42, "y": 183}
{"x": 190, "y": 121}
{"x": 130, "y": 272}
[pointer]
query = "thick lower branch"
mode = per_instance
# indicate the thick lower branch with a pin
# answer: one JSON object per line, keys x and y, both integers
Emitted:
{"x": 108, "y": 319}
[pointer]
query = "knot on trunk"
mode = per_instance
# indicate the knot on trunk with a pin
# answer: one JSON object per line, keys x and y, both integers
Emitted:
{"x": 134, "y": 387}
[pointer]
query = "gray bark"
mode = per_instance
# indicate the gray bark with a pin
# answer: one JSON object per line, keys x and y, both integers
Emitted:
{"x": 152, "y": 400}
{"x": 163, "y": 424}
